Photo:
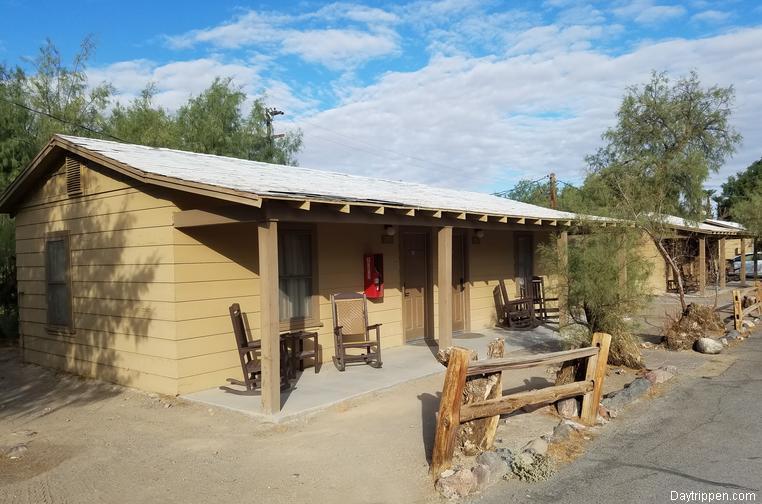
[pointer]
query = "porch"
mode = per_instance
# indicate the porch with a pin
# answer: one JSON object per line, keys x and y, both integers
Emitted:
{"x": 311, "y": 392}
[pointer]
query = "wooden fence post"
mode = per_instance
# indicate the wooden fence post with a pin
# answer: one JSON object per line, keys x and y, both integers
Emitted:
{"x": 737, "y": 310}
{"x": 596, "y": 371}
{"x": 448, "y": 421}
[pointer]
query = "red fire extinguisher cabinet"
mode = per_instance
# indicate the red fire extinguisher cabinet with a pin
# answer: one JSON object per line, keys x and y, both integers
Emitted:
{"x": 373, "y": 269}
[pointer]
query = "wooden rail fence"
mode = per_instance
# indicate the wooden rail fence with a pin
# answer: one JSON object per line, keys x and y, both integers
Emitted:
{"x": 452, "y": 413}
{"x": 739, "y": 312}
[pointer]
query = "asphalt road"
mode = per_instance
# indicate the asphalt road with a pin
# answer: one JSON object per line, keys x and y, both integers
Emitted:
{"x": 703, "y": 435}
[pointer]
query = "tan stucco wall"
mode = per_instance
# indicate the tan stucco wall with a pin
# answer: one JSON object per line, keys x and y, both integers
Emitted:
{"x": 122, "y": 281}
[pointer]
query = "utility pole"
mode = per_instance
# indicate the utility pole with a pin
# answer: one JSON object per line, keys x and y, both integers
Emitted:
{"x": 553, "y": 192}
{"x": 270, "y": 113}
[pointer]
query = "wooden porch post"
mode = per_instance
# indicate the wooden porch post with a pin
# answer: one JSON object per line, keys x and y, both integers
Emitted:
{"x": 742, "y": 271}
{"x": 269, "y": 317}
{"x": 721, "y": 263}
{"x": 702, "y": 265}
{"x": 563, "y": 259}
{"x": 444, "y": 285}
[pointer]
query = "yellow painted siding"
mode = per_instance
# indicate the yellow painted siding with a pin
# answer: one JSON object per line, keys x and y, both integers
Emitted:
{"x": 657, "y": 280}
{"x": 218, "y": 265}
{"x": 122, "y": 280}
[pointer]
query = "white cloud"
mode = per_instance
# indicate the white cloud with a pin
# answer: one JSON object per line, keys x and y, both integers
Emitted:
{"x": 493, "y": 120}
{"x": 711, "y": 16}
{"x": 177, "y": 81}
{"x": 646, "y": 12}
{"x": 333, "y": 47}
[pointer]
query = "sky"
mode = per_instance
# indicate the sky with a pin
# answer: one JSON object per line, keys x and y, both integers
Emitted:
{"x": 456, "y": 93}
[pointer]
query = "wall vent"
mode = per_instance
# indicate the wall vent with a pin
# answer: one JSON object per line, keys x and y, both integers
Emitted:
{"x": 73, "y": 177}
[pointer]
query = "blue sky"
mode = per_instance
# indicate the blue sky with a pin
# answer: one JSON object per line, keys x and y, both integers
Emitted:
{"x": 459, "y": 93}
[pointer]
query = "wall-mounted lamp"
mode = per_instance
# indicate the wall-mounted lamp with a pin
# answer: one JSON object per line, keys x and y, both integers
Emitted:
{"x": 388, "y": 236}
{"x": 479, "y": 233}
{"x": 476, "y": 239}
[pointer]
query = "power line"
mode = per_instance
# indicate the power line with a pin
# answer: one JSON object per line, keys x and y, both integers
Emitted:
{"x": 504, "y": 194}
{"x": 64, "y": 121}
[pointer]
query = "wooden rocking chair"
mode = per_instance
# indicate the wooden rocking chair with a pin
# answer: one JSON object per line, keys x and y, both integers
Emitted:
{"x": 247, "y": 352}
{"x": 540, "y": 301}
{"x": 518, "y": 313}
{"x": 351, "y": 330}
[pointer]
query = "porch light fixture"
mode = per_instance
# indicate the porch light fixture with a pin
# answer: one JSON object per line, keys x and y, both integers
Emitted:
{"x": 479, "y": 233}
{"x": 389, "y": 232}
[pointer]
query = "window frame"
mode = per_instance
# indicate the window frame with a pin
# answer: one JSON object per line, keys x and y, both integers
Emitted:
{"x": 296, "y": 323}
{"x": 62, "y": 236}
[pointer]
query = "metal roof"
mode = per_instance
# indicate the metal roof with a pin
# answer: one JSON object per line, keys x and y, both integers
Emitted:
{"x": 290, "y": 182}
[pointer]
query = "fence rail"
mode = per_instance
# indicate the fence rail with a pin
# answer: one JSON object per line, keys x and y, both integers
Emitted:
{"x": 452, "y": 411}
{"x": 739, "y": 312}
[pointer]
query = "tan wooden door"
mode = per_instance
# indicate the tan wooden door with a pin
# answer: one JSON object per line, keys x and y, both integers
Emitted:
{"x": 414, "y": 268}
{"x": 458, "y": 283}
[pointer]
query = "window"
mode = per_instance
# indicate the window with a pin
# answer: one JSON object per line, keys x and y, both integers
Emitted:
{"x": 296, "y": 266}
{"x": 57, "y": 279}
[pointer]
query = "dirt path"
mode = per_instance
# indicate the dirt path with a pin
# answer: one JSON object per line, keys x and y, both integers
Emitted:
{"x": 100, "y": 443}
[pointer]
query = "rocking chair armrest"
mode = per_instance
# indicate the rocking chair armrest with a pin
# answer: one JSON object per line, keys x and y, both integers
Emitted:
{"x": 515, "y": 302}
{"x": 374, "y": 326}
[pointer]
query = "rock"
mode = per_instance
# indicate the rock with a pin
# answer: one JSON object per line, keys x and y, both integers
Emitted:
{"x": 16, "y": 451}
{"x": 618, "y": 400}
{"x": 561, "y": 433}
{"x": 524, "y": 458}
{"x": 482, "y": 476}
{"x": 506, "y": 454}
{"x": 496, "y": 464}
{"x": 537, "y": 446}
{"x": 733, "y": 334}
{"x": 603, "y": 411}
{"x": 459, "y": 484}
{"x": 447, "y": 473}
{"x": 748, "y": 323}
{"x": 708, "y": 346}
{"x": 568, "y": 408}
{"x": 575, "y": 425}
{"x": 658, "y": 376}
{"x": 671, "y": 369}
{"x": 724, "y": 341}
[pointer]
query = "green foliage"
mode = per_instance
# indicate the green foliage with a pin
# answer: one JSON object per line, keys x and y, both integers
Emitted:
{"x": 143, "y": 123}
{"x": 528, "y": 191}
{"x": 738, "y": 188}
{"x": 606, "y": 281}
{"x": 667, "y": 140}
{"x": 748, "y": 211}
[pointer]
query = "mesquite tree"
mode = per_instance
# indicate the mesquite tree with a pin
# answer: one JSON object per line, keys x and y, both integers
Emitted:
{"x": 667, "y": 139}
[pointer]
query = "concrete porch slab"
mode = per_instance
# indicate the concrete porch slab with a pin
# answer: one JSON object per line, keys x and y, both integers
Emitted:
{"x": 313, "y": 392}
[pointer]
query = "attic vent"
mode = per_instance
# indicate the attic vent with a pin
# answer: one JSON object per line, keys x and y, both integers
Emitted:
{"x": 73, "y": 177}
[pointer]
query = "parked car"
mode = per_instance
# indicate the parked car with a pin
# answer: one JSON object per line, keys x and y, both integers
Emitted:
{"x": 749, "y": 265}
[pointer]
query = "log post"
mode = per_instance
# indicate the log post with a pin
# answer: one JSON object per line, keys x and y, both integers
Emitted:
{"x": 444, "y": 285}
{"x": 478, "y": 435}
{"x": 563, "y": 260}
{"x": 448, "y": 420}
{"x": 721, "y": 264}
{"x": 737, "y": 310}
{"x": 269, "y": 318}
{"x": 742, "y": 270}
{"x": 702, "y": 265}
{"x": 596, "y": 371}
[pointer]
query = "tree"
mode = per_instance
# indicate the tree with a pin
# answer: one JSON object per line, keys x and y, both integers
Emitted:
{"x": 143, "y": 123}
{"x": 737, "y": 188}
{"x": 606, "y": 278}
{"x": 655, "y": 160}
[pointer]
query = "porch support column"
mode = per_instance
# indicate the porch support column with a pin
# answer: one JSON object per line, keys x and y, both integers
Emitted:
{"x": 742, "y": 271}
{"x": 563, "y": 262}
{"x": 269, "y": 317}
{"x": 721, "y": 263}
{"x": 702, "y": 265}
{"x": 444, "y": 285}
